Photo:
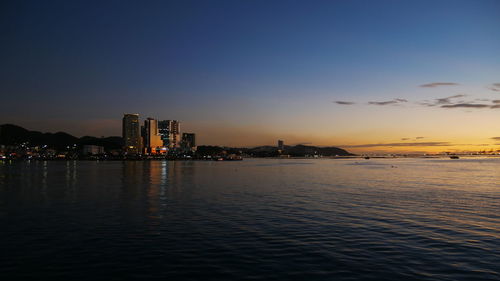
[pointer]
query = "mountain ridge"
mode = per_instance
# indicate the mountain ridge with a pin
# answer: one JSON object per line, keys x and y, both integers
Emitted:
{"x": 15, "y": 135}
{"x": 11, "y": 134}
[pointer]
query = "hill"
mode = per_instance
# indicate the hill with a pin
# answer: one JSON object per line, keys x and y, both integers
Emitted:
{"x": 16, "y": 135}
{"x": 272, "y": 151}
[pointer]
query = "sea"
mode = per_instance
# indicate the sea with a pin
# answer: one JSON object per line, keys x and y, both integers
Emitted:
{"x": 257, "y": 219}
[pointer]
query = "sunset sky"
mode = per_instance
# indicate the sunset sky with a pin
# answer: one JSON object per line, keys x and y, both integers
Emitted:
{"x": 367, "y": 76}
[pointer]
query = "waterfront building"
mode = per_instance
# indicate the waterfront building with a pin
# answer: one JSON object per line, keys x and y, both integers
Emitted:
{"x": 188, "y": 142}
{"x": 163, "y": 130}
{"x": 169, "y": 131}
{"x": 152, "y": 139}
{"x": 281, "y": 145}
{"x": 131, "y": 134}
{"x": 92, "y": 150}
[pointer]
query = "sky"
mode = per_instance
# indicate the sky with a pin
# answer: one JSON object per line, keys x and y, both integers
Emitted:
{"x": 367, "y": 76}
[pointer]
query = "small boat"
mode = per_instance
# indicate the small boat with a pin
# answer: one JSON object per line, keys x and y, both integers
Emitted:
{"x": 454, "y": 157}
{"x": 367, "y": 157}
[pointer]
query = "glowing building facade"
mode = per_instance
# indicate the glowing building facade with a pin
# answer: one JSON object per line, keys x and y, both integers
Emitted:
{"x": 169, "y": 131}
{"x": 131, "y": 134}
{"x": 152, "y": 139}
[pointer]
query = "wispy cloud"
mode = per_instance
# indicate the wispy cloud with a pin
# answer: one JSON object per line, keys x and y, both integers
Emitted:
{"x": 415, "y": 138}
{"x": 344, "y": 102}
{"x": 455, "y": 101}
{"x": 448, "y": 99}
{"x": 495, "y": 87}
{"x": 394, "y": 101}
{"x": 398, "y": 144}
{"x": 418, "y": 144}
{"x": 451, "y": 102}
{"x": 467, "y": 105}
{"x": 437, "y": 84}
{"x": 441, "y": 101}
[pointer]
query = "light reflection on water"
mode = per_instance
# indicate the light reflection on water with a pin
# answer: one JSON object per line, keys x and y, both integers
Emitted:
{"x": 350, "y": 219}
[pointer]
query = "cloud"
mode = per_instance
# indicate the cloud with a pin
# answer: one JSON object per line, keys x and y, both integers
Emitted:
{"x": 344, "y": 102}
{"x": 467, "y": 105}
{"x": 448, "y": 99}
{"x": 416, "y": 138}
{"x": 394, "y": 101}
{"x": 496, "y": 138}
{"x": 495, "y": 87}
{"x": 449, "y": 103}
{"x": 438, "y": 143}
{"x": 441, "y": 101}
{"x": 437, "y": 84}
{"x": 426, "y": 103}
{"x": 446, "y": 102}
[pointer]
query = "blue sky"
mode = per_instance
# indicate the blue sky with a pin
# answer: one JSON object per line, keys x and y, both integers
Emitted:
{"x": 79, "y": 65}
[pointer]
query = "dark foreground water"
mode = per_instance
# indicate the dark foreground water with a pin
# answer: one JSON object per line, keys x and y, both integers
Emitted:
{"x": 386, "y": 219}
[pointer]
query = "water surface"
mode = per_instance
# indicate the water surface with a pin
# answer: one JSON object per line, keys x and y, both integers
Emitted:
{"x": 325, "y": 219}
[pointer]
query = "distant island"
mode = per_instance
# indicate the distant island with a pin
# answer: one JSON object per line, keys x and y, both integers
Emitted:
{"x": 18, "y": 142}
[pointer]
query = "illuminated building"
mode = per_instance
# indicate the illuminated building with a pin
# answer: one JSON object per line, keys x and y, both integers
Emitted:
{"x": 152, "y": 139}
{"x": 131, "y": 134}
{"x": 170, "y": 133}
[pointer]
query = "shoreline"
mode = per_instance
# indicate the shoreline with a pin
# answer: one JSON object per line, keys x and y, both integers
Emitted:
{"x": 244, "y": 158}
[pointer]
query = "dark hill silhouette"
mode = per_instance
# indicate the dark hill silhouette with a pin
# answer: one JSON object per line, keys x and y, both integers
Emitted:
{"x": 300, "y": 150}
{"x": 272, "y": 151}
{"x": 15, "y": 135}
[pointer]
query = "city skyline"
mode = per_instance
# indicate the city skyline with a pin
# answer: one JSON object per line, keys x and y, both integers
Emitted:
{"x": 155, "y": 137}
{"x": 366, "y": 76}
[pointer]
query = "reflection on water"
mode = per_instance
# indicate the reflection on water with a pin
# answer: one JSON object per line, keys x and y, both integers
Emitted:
{"x": 380, "y": 219}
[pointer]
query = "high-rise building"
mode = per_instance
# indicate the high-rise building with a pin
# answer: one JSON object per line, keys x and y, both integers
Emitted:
{"x": 152, "y": 139}
{"x": 281, "y": 145}
{"x": 188, "y": 142}
{"x": 163, "y": 130}
{"x": 131, "y": 134}
{"x": 169, "y": 131}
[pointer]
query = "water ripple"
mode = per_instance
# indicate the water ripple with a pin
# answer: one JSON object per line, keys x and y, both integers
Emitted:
{"x": 382, "y": 219}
